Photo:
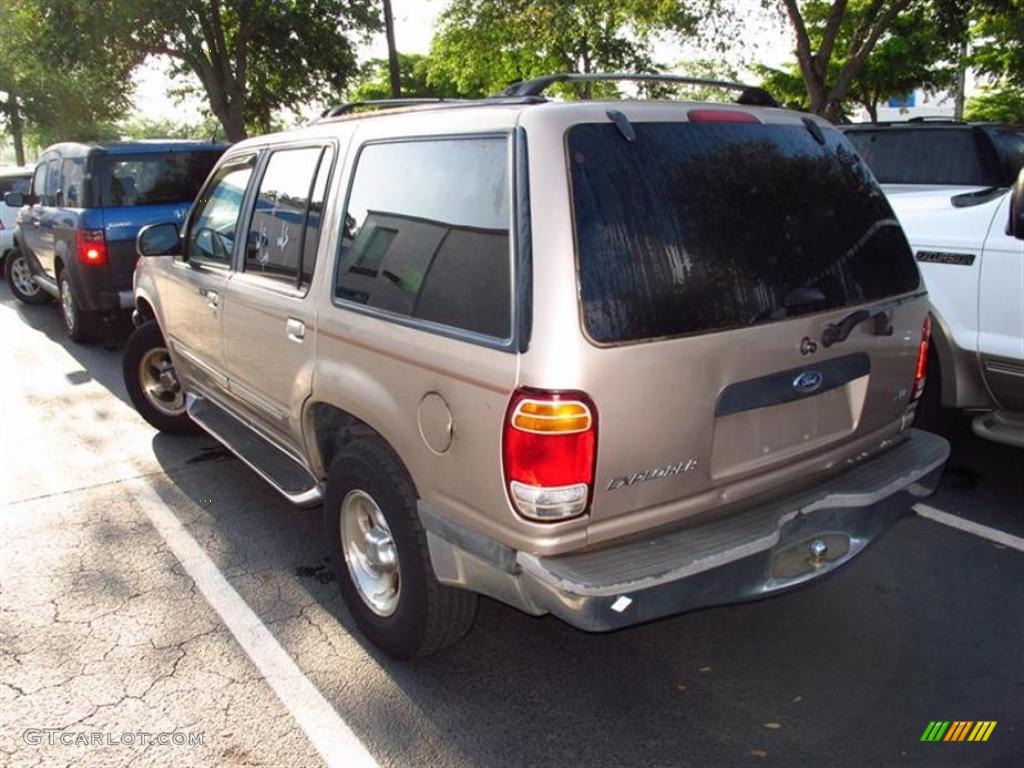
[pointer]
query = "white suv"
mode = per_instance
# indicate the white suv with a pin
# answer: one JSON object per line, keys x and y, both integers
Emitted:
{"x": 950, "y": 185}
{"x": 12, "y": 179}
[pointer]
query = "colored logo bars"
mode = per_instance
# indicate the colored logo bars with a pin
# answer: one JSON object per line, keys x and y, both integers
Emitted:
{"x": 958, "y": 730}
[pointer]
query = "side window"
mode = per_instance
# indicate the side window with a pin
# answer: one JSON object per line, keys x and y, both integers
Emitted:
{"x": 315, "y": 220}
{"x": 211, "y": 235}
{"x": 1010, "y": 146}
{"x": 74, "y": 179}
{"x": 285, "y": 223}
{"x": 39, "y": 181}
{"x": 426, "y": 233}
{"x": 53, "y": 181}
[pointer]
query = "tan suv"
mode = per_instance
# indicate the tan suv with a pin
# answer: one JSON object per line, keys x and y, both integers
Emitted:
{"x": 605, "y": 360}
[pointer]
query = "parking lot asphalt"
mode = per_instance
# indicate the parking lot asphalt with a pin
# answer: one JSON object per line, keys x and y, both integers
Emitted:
{"x": 112, "y": 535}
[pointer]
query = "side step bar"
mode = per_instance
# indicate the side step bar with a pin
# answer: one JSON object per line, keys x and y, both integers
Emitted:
{"x": 289, "y": 477}
{"x": 1000, "y": 427}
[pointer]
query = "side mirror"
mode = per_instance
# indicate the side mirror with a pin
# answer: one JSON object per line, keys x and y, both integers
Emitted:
{"x": 1015, "y": 228}
{"x": 158, "y": 240}
{"x": 14, "y": 199}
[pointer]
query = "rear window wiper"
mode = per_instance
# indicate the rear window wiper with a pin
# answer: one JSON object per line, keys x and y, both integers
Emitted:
{"x": 802, "y": 296}
{"x": 837, "y": 332}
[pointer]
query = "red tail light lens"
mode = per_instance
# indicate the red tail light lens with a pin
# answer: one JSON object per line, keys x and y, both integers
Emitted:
{"x": 91, "y": 246}
{"x": 922, "y": 361}
{"x": 549, "y": 447}
{"x": 720, "y": 116}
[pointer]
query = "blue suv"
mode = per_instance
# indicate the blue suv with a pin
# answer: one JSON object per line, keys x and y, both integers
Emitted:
{"x": 77, "y": 225}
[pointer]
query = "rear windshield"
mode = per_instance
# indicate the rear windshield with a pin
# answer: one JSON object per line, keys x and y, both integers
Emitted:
{"x": 927, "y": 156}
{"x": 700, "y": 227}
{"x": 14, "y": 184}
{"x": 158, "y": 178}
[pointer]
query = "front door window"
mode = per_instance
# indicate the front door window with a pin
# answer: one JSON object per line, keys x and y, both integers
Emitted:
{"x": 211, "y": 237}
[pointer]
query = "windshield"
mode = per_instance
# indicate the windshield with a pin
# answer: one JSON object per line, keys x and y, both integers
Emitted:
{"x": 697, "y": 227}
{"x": 159, "y": 178}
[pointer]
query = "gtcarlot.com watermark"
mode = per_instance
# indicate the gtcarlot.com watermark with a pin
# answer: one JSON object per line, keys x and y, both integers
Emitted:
{"x": 53, "y": 736}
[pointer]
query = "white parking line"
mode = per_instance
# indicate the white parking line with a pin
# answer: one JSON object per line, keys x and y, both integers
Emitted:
{"x": 992, "y": 534}
{"x": 324, "y": 728}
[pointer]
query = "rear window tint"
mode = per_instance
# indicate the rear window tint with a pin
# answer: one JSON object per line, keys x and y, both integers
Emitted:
{"x": 162, "y": 178}
{"x": 426, "y": 233}
{"x": 15, "y": 184}
{"x": 1010, "y": 146}
{"x": 926, "y": 156}
{"x": 694, "y": 228}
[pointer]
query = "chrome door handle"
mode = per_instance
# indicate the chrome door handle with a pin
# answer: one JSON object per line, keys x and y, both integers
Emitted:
{"x": 296, "y": 329}
{"x": 212, "y": 299}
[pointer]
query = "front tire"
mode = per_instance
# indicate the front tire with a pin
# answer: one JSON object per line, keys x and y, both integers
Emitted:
{"x": 78, "y": 324}
{"x": 19, "y": 277}
{"x": 380, "y": 556}
{"x": 152, "y": 383}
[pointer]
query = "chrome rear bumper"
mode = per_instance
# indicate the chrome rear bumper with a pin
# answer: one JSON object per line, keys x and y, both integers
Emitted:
{"x": 751, "y": 554}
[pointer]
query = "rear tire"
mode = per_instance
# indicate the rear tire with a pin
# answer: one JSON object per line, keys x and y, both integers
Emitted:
{"x": 150, "y": 380}
{"x": 19, "y": 278}
{"x": 78, "y": 324}
{"x": 406, "y": 611}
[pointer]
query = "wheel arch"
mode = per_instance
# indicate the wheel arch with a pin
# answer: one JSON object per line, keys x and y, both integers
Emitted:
{"x": 330, "y": 428}
{"x": 960, "y": 382}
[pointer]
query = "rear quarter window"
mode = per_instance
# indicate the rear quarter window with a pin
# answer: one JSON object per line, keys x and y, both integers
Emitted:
{"x": 1009, "y": 144}
{"x": 426, "y": 233}
{"x": 957, "y": 156}
{"x": 694, "y": 228}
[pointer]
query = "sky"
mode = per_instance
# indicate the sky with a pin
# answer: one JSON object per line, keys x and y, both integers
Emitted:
{"x": 765, "y": 40}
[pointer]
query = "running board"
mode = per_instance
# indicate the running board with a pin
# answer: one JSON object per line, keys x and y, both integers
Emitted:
{"x": 289, "y": 477}
{"x": 1000, "y": 427}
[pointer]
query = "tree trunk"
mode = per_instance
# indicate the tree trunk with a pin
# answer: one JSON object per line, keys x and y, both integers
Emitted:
{"x": 393, "y": 68}
{"x": 961, "y": 82}
{"x": 17, "y": 128}
{"x": 233, "y": 121}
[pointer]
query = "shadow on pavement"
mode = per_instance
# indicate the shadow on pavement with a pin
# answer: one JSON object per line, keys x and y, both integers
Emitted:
{"x": 874, "y": 647}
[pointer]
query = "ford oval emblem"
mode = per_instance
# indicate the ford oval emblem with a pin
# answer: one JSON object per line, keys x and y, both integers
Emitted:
{"x": 808, "y": 382}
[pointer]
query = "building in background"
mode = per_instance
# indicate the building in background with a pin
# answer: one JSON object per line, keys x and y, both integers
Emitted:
{"x": 918, "y": 103}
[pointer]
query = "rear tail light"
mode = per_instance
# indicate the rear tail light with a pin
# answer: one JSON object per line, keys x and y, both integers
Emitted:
{"x": 549, "y": 446}
{"x": 91, "y": 246}
{"x": 720, "y": 116}
{"x": 922, "y": 361}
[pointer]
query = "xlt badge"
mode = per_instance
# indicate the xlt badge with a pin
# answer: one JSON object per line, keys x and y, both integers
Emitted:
{"x": 652, "y": 474}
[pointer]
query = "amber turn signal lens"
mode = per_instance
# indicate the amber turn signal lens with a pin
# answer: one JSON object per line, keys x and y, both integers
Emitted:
{"x": 556, "y": 417}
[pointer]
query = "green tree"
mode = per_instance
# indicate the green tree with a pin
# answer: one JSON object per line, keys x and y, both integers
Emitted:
{"x": 59, "y": 80}
{"x": 375, "y": 80}
{"x": 918, "y": 47}
{"x": 251, "y": 57}
{"x": 998, "y": 34}
{"x": 1000, "y": 103}
{"x": 484, "y": 45}
{"x": 833, "y": 42}
{"x": 208, "y": 129}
